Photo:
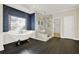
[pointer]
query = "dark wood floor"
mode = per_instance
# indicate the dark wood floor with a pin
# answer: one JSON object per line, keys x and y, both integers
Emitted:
{"x": 52, "y": 46}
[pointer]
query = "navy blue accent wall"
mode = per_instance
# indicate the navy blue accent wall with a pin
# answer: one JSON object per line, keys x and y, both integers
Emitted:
{"x": 28, "y": 24}
{"x": 32, "y": 21}
{"x": 11, "y": 11}
{"x": 30, "y": 18}
{"x": 5, "y": 19}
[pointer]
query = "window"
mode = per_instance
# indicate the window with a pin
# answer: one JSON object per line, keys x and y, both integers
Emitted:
{"x": 16, "y": 23}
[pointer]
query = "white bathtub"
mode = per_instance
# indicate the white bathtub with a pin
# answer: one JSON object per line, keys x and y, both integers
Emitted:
{"x": 12, "y": 37}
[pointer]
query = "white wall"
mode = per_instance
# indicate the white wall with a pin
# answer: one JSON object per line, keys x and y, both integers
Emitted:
{"x": 69, "y": 29}
{"x": 64, "y": 14}
{"x": 1, "y": 27}
{"x": 77, "y": 24}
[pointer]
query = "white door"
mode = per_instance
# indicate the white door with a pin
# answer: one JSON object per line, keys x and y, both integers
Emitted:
{"x": 57, "y": 22}
{"x": 57, "y": 26}
{"x": 69, "y": 27}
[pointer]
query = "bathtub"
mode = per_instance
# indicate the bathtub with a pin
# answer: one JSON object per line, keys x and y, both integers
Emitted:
{"x": 12, "y": 36}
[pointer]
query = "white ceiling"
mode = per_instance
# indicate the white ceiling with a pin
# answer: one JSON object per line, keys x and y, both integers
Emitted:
{"x": 49, "y": 8}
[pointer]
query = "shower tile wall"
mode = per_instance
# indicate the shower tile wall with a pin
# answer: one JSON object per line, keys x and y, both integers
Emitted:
{"x": 44, "y": 22}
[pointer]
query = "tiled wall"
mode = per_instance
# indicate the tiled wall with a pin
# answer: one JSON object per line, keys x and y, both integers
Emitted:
{"x": 44, "y": 23}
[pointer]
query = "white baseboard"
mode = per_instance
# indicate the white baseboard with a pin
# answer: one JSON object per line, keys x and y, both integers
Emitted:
{"x": 71, "y": 38}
